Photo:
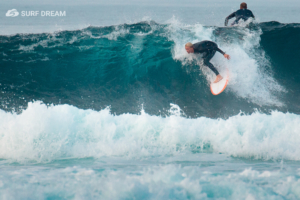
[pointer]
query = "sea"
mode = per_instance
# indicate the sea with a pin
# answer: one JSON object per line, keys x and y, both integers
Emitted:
{"x": 103, "y": 102}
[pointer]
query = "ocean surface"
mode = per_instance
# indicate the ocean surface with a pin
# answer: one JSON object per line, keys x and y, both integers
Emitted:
{"x": 105, "y": 103}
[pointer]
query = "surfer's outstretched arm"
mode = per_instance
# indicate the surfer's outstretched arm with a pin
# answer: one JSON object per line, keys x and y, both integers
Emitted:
{"x": 219, "y": 50}
{"x": 232, "y": 15}
{"x": 222, "y": 52}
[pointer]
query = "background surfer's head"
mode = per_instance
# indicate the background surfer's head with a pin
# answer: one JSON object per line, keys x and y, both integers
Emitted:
{"x": 243, "y": 5}
{"x": 189, "y": 47}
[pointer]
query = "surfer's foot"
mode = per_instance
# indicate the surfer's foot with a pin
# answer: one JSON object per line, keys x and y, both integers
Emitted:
{"x": 218, "y": 78}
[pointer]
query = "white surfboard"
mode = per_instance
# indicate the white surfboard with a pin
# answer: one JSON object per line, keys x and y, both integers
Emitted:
{"x": 219, "y": 87}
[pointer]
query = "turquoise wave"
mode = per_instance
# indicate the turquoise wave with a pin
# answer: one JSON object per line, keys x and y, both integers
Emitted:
{"x": 130, "y": 66}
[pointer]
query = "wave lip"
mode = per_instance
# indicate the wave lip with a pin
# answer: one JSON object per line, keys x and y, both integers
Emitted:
{"x": 43, "y": 134}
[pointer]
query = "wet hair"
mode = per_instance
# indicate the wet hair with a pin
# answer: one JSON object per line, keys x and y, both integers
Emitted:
{"x": 189, "y": 44}
{"x": 243, "y": 5}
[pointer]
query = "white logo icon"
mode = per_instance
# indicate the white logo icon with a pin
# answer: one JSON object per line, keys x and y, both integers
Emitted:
{"x": 12, "y": 13}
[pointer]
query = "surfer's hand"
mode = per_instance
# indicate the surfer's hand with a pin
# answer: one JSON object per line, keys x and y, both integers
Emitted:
{"x": 226, "y": 56}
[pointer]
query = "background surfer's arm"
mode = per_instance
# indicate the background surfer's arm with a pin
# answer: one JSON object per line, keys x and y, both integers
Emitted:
{"x": 229, "y": 17}
{"x": 252, "y": 15}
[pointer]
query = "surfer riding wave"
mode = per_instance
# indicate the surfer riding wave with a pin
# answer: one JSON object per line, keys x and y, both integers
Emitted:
{"x": 208, "y": 50}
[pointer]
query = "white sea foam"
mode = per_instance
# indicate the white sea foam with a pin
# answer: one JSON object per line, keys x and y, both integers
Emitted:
{"x": 42, "y": 134}
{"x": 119, "y": 32}
{"x": 250, "y": 71}
{"x": 155, "y": 182}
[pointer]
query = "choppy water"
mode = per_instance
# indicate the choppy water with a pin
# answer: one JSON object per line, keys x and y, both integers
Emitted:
{"x": 123, "y": 112}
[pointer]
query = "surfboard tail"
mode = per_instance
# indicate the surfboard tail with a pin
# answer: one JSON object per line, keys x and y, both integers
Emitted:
{"x": 219, "y": 87}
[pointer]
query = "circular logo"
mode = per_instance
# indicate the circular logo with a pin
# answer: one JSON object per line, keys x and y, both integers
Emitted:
{"x": 12, "y": 13}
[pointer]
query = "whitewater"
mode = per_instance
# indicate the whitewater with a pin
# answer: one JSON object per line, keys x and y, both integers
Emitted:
{"x": 63, "y": 152}
{"x": 121, "y": 111}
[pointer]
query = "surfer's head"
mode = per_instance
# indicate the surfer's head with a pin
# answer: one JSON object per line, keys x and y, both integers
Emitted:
{"x": 189, "y": 47}
{"x": 243, "y": 5}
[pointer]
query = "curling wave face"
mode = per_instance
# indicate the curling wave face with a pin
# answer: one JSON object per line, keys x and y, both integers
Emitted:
{"x": 128, "y": 65}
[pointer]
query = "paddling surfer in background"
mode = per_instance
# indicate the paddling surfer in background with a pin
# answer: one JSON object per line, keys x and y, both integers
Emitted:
{"x": 243, "y": 13}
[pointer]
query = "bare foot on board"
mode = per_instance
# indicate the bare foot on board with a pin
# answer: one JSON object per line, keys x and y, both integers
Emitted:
{"x": 218, "y": 78}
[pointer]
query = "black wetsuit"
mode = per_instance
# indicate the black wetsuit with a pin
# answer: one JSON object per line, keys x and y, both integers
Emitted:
{"x": 239, "y": 14}
{"x": 208, "y": 49}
